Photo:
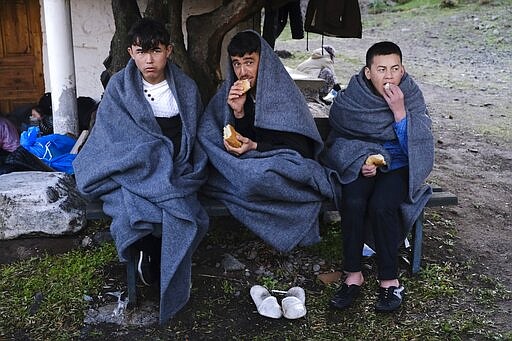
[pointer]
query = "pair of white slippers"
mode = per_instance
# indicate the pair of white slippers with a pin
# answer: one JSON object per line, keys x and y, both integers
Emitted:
{"x": 293, "y": 306}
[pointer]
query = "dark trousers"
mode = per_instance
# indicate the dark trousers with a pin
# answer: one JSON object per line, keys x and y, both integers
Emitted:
{"x": 374, "y": 202}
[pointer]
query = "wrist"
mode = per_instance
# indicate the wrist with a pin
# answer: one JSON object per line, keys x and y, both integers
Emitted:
{"x": 399, "y": 116}
{"x": 238, "y": 113}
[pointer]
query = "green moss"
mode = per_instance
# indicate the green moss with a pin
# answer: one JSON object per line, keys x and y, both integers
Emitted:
{"x": 45, "y": 297}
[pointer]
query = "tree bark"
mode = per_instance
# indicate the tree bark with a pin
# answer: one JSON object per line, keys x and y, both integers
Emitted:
{"x": 126, "y": 12}
{"x": 170, "y": 13}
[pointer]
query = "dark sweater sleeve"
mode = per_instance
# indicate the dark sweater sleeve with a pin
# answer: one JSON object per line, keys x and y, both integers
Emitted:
{"x": 272, "y": 139}
{"x": 268, "y": 139}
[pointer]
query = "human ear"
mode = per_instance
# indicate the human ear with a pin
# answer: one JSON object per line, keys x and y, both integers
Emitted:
{"x": 367, "y": 72}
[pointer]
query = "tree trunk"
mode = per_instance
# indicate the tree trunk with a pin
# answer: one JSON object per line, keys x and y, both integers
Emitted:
{"x": 126, "y": 12}
{"x": 201, "y": 57}
{"x": 205, "y": 41}
{"x": 171, "y": 14}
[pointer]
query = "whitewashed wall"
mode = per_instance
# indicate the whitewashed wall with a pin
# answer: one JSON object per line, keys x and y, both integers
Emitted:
{"x": 93, "y": 28}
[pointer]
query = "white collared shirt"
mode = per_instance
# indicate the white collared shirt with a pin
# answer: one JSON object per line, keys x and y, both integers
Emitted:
{"x": 161, "y": 99}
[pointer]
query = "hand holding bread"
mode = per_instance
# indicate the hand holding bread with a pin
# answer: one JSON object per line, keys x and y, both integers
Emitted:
{"x": 377, "y": 160}
{"x": 230, "y": 136}
{"x": 246, "y": 85}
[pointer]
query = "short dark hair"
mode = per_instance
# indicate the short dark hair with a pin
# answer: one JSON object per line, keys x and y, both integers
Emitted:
{"x": 382, "y": 48}
{"x": 148, "y": 33}
{"x": 44, "y": 106}
{"x": 244, "y": 42}
{"x": 40, "y": 110}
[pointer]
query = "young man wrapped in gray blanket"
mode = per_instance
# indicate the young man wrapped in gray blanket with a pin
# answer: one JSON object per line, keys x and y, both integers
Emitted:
{"x": 272, "y": 183}
{"x": 142, "y": 160}
{"x": 382, "y": 111}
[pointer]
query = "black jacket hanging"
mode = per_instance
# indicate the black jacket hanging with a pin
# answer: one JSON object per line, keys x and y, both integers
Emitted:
{"x": 335, "y": 18}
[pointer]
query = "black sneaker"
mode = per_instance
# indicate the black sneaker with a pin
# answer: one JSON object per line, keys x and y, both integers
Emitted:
{"x": 345, "y": 296}
{"x": 144, "y": 268}
{"x": 389, "y": 299}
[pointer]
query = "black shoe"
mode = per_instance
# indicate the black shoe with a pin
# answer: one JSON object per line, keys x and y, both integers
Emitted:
{"x": 389, "y": 299}
{"x": 345, "y": 296}
{"x": 144, "y": 267}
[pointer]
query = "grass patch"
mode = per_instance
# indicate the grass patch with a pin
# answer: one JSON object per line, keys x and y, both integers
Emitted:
{"x": 488, "y": 290}
{"x": 296, "y": 59}
{"x": 445, "y": 301}
{"x": 330, "y": 247}
{"x": 380, "y": 6}
{"x": 43, "y": 298}
{"x": 414, "y": 4}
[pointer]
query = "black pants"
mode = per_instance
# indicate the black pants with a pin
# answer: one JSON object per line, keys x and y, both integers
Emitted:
{"x": 374, "y": 202}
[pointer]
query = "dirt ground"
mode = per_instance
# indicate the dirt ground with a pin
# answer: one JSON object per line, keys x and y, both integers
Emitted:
{"x": 462, "y": 60}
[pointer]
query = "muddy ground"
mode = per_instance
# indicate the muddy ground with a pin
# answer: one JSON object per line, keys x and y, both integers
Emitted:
{"x": 462, "y": 59}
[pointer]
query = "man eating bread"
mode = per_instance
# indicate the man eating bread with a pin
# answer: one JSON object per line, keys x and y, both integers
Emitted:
{"x": 272, "y": 183}
{"x": 382, "y": 147}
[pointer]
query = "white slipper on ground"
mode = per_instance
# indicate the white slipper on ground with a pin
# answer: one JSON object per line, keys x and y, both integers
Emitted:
{"x": 294, "y": 304}
{"x": 265, "y": 303}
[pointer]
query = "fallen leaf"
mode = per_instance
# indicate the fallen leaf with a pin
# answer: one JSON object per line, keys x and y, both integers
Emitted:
{"x": 329, "y": 277}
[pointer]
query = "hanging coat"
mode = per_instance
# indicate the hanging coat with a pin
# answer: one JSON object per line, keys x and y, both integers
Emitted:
{"x": 335, "y": 18}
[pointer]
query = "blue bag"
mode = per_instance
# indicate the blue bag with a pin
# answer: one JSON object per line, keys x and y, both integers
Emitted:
{"x": 52, "y": 149}
{"x": 63, "y": 163}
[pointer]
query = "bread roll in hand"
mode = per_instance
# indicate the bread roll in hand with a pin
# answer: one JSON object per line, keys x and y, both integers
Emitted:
{"x": 376, "y": 159}
{"x": 246, "y": 85}
{"x": 230, "y": 136}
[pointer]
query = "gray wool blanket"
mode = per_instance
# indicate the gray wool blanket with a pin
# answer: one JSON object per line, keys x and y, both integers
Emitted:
{"x": 361, "y": 122}
{"x": 276, "y": 194}
{"x": 128, "y": 163}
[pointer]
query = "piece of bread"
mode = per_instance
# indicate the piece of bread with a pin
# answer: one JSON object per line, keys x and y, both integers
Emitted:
{"x": 376, "y": 159}
{"x": 230, "y": 136}
{"x": 246, "y": 85}
{"x": 386, "y": 86}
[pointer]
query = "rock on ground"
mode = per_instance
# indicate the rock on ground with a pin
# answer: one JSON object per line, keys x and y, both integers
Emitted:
{"x": 44, "y": 203}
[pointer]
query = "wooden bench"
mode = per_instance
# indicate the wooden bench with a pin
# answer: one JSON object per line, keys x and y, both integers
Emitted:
{"x": 216, "y": 209}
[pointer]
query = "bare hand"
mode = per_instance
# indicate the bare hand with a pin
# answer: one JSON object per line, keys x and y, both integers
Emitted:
{"x": 247, "y": 145}
{"x": 236, "y": 99}
{"x": 395, "y": 99}
{"x": 369, "y": 170}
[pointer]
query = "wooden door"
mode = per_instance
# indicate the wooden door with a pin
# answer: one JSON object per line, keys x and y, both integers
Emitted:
{"x": 21, "y": 62}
